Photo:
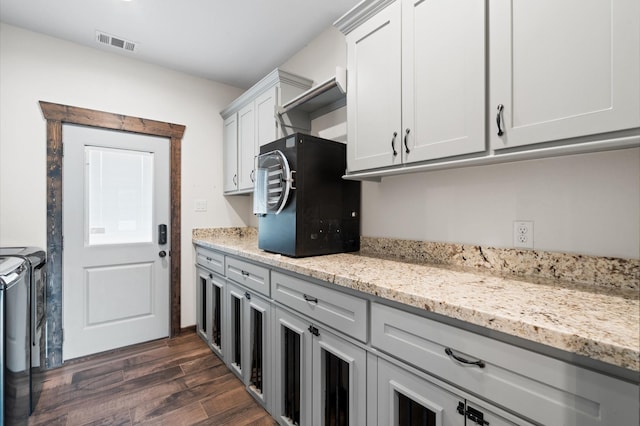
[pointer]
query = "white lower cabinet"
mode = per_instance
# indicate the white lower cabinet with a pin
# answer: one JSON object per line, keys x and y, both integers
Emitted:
{"x": 335, "y": 309}
{"x": 249, "y": 348}
{"x": 234, "y": 302}
{"x": 209, "y": 310}
{"x": 203, "y": 306}
{"x": 215, "y": 302}
{"x": 293, "y": 374}
{"x": 534, "y": 386}
{"x": 312, "y": 354}
{"x": 339, "y": 381}
{"x": 320, "y": 377}
{"x": 404, "y": 399}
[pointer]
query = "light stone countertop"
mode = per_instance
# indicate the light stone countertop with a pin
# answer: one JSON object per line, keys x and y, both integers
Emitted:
{"x": 599, "y": 324}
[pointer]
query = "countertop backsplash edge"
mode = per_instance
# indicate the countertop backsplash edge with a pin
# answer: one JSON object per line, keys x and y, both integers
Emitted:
{"x": 598, "y": 272}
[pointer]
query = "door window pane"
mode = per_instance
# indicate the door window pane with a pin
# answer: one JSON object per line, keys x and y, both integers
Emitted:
{"x": 119, "y": 196}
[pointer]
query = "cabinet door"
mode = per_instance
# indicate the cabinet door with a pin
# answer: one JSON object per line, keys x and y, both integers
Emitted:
{"x": 203, "y": 304}
{"x": 234, "y": 300}
{"x": 563, "y": 69}
{"x": 257, "y": 332}
{"x": 405, "y": 399}
{"x": 292, "y": 369}
{"x": 443, "y": 78}
{"x": 373, "y": 114}
{"x": 247, "y": 147}
{"x": 230, "y": 148}
{"x": 215, "y": 296}
{"x": 266, "y": 128}
{"x": 339, "y": 381}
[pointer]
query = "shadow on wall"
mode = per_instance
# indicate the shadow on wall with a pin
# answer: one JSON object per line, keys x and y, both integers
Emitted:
{"x": 242, "y": 207}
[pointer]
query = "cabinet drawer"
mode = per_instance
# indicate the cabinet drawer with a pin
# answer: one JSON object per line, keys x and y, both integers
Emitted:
{"x": 249, "y": 275}
{"x": 211, "y": 260}
{"x": 541, "y": 388}
{"x": 343, "y": 312}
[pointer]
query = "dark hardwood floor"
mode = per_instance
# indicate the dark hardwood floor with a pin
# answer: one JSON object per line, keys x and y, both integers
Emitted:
{"x": 165, "y": 382}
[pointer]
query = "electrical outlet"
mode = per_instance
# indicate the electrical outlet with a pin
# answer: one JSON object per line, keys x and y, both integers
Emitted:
{"x": 523, "y": 234}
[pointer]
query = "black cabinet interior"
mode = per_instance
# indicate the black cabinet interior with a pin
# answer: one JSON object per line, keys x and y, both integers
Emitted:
{"x": 203, "y": 303}
{"x": 410, "y": 413}
{"x": 216, "y": 325}
{"x": 236, "y": 312}
{"x": 336, "y": 400}
{"x": 256, "y": 350}
{"x": 291, "y": 373}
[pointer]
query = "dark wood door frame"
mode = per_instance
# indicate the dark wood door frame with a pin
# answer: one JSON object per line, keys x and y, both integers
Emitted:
{"x": 56, "y": 115}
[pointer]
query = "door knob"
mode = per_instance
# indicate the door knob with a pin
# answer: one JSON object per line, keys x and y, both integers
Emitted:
{"x": 162, "y": 253}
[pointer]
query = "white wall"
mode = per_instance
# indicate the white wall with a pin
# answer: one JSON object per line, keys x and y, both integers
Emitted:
{"x": 587, "y": 204}
{"x": 34, "y": 67}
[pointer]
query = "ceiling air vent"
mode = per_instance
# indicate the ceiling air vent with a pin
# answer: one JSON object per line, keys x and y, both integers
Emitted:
{"x": 113, "y": 41}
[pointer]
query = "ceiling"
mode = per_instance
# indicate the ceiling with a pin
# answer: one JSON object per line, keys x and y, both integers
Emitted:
{"x": 236, "y": 42}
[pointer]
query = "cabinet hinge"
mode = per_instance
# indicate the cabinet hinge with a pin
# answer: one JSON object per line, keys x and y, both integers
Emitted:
{"x": 472, "y": 414}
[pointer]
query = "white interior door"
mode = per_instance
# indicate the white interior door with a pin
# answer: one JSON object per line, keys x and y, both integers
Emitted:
{"x": 115, "y": 268}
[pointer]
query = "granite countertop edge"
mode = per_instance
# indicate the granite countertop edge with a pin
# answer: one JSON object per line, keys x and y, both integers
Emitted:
{"x": 603, "y": 326}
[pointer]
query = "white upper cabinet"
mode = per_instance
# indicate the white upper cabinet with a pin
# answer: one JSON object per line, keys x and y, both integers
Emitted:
{"x": 443, "y": 78}
{"x": 230, "y": 148}
{"x": 416, "y": 83}
{"x": 250, "y": 122}
{"x": 247, "y": 146}
{"x": 256, "y": 127}
{"x": 374, "y": 92}
{"x": 563, "y": 69}
{"x": 266, "y": 124}
{"x": 451, "y": 83}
